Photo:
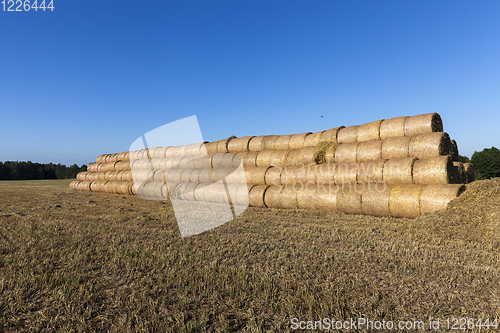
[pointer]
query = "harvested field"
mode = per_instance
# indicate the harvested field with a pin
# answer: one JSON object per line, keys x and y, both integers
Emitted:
{"x": 82, "y": 261}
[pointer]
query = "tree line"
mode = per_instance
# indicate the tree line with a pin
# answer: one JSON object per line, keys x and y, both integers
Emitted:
{"x": 14, "y": 170}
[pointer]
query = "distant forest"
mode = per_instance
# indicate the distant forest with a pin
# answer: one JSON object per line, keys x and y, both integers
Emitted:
{"x": 13, "y": 170}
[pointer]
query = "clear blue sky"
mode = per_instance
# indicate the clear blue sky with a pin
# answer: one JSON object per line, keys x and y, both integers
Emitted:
{"x": 93, "y": 76}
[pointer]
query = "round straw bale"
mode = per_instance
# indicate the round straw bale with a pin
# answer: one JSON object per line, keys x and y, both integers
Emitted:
{"x": 320, "y": 151}
{"x": 306, "y": 196}
{"x": 95, "y": 185}
{"x": 127, "y": 175}
{"x": 369, "y": 131}
{"x": 303, "y": 174}
{"x": 399, "y": 171}
{"x": 100, "y": 159}
{"x": 349, "y": 199}
{"x": 222, "y": 160}
{"x": 326, "y": 197}
{"x": 325, "y": 173}
{"x": 307, "y": 155}
{"x": 238, "y": 194}
{"x": 101, "y": 175}
{"x": 242, "y": 154}
{"x": 346, "y": 173}
{"x": 194, "y": 176}
{"x": 289, "y": 175}
{"x": 199, "y": 192}
{"x": 256, "y": 175}
{"x": 85, "y": 185}
{"x": 297, "y": 141}
{"x": 437, "y": 170}
{"x": 312, "y": 173}
{"x": 404, "y": 200}
{"x": 375, "y": 199}
{"x": 393, "y": 127}
{"x": 293, "y": 157}
{"x": 205, "y": 176}
{"x": 369, "y": 151}
{"x": 155, "y": 163}
{"x": 164, "y": 191}
{"x": 239, "y": 144}
{"x": 469, "y": 172}
{"x": 312, "y": 139}
{"x": 255, "y": 143}
{"x": 454, "y": 151}
{"x": 216, "y": 192}
{"x": 437, "y": 197}
{"x": 330, "y": 153}
{"x": 288, "y": 198}
{"x": 429, "y": 145}
{"x": 424, "y": 123}
{"x": 223, "y": 144}
{"x": 172, "y": 175}
{"x": 273, "y": 176}
{"x": 134, "y": 165}
{"x": 268, "y": 142}
{"x": 198, "y": 149}
{"x": 186, "y": 175}
{"x": 237, "y": 161}
{"x": 371, "y": 171}
{"x": 459, "y": 176}
{"x": 256, "y": 195}
{"x": 210, "y": 147}
{"x": 271, "y": 196}
{"x": 283, "y": 142}
{"x": 250, "y": 159}
{"x": 153, "y": 152}
{"x": 348, "y": 134}
{"x": 331, "y": 135}
{"x": 132, "y": 188}
{"x": 279, "y": 157}
{"x": 92, "y": 167}
{"x": 81, "y": 175}
{"x": 264, "y": 158}
{"x": 346, "y": 153}
{"x": 395, "y": 147}
{"x": 73, "y": 184}
{"x": 202, "y": 162}
{"x": 189, "y": 191}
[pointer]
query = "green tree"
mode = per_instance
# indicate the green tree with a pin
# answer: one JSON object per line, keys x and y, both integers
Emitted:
{"x": 463, "y": 159}
{"x": 486, "y": 163}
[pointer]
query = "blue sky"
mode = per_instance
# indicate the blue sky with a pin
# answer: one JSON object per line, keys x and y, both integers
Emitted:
{"x": 93, "y": 76}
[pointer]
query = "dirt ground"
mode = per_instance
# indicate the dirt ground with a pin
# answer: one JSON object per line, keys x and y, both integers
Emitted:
{"x": 93, "y": 262}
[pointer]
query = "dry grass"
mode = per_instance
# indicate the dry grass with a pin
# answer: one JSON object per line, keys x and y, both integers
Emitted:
{"x": 94, "y": 262}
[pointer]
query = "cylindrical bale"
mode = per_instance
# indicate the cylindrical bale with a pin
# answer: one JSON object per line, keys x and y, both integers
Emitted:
{"x": 255, "y": 143}
{"x": 320, "y": 149}
{"x": 241, "y": 155}
{"x": 437, "y": 197}
{"x": 297, "y": 141}
{"x": 369, "y": 151}
{"x": 149, "y": 189}
{"x": 399, "y": 171}
{"x": 173, "y": 162}
{"x": 469, "y": 172}
{"x": 371, "y": 172}
{"x": 250, "y": 159}
{"x": 202, "y": 162}
{"x": 199, "y": 192}
{"x": 279, "y": 157}
{"x": 269, "y": 141}
{"x": 289, "y": 175}
{"x": 92, "y": 167}
{"x": 395, "y": 147}
{"x": 194, "y": 176}
{"x": 189, "y": 191}
{"x": 331, "y": 135}
{"x": 348, "y": 134}
{"x": 459, "y": 176}
{"x": 303, "y": 174}
{"x": 307, "y": 155}
{"x": 330, "y": 153}
{"x": 375, "y": 199}
{"x": 103, "y": 186}
{"x": 100, "y": 159}
{"x": 404, "y": 200}
{"x": 369, "y": 131}
{"x": 307, "y": 195}
{"x": 346, "y": 173}
{"x": 326, "y": 197}
{"x": 159, "y": 152}
{"x": 127, "y": 175}
{"x": 238, "y": 194}
{"x": 101, "y": 175}
{"x": 237, "y": 161}
{"x": 454, "y": 151}
{"x": 312, "y": 139}
{"x": 211, "y": 147}
{"x": 85, "y": 185}
{"x": 273, "y": 176}
{"x": 429, "y": 145}
{"x": 349, "y": 199}
{"x": 134, "y": 155}
{"x": 186, "y": 175}
{"x": 72, "y": 185}
{"x": 271, "y": 196}
{"x": 174, "y": 175}
{"x": 256, "y": 175}
{"x": 264, "y": 158}
{"x": 346, "y": 153}
{"x": 81, "y": 175}
{"x": 325, "y": 173}
{"x": 437, "y": 170}
{"x": 131, "y": 188}
{"x": 121, "y": 187}
{"x": 283, "y": 142}
{"x": 393, "y": 127}
{"x": 222, "y": 145}
{"x": 155, "y": 163}
{"x": 288, "y": 198}
{"x": 188, "y": 162}
{"x": 312, "y": 173}
{"x": 135, "y": 164}
{"x": 206, "y": 176}
{"x": 239, "y": 144}
{"x": 293, "y": 157}
{"x": 222, "y": 160}
{"x": 424, "y": 123}
{"x": 256, "y": 196}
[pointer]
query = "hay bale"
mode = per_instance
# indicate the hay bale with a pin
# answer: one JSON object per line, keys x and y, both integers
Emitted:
{"x": 437, "y": 197}
{"x": 188, "y": 162}
{"x": 346, "y": 153}
{"x": 331, "y": 135}
{"x": 194, "y": 177}
{"x": 256, "y": 175}
{"x": 326, "y": 197}
{"x": 279, "y": 158}
{"x": 273, "y": 176}
{"x": 268, "y": 142}
{"x": 210, "y": 147}
{"x": 371, "y": 172}
{"x": 202, "y": 162}
{"x": 239, "y": 194}
{"x": 127, "y": 175}
{"x": 391, "y": 128}
{"x": 429, "y": 145}
{"x": 424, "y": 123}
{"x": 313, "y": 139}
{"x": 188, "y": 193}
{"x": 222, "y": 145}
{"x": 348, "y": 134}
{"x": 307, "y": 155}
{"x": 186, "y": 175}
{"x": 369, "y": 151}
{"x": 399, "y": 171}
{"x": 264, "y": 158}
{"x": 172, "y": 175}
{"x": 349, "y": 200}
{"x": 297, "y": 141}
{"x": 304, "y": 174}
{"x": 250, "y": 159}
{"x": 239, "y": 144}
{"x": 330, "y": 153}
{"x": 312, "y": 173}
{"x": 375, "y": 199}
{"x": 283, "y": 142}
{"x": 346, "y": 173}
{"x": 306, "y": 196}
{"x": 288, "y": 198}
{"x": 453, "y": 151}
{"x": 215, "y": 192}
{"x": 470, "y": 173}
{"x": 437, "y": 170}
{"x": 319, "y": 154}
{"x": 205, "y": 176}
{"x": 159, "y": 175}
{"x": 293, "y": 157}
{"x": 369, "y": 131}
{"x": 255, "y": 143}
{"x": 404, "y": 200}
{"x": 81, "y": 175}
{"x": 272, "y": 196}
{"x": 395, "y": 147}
{"x": 222, "y": 160}
{"x": 325, "y": 173}
{"x": 459, "y": 176}
{"x": 289, "y": 175}
{"x": 256, "y": 196}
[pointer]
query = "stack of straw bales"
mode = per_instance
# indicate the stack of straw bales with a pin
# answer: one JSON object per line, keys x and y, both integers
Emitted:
{"x": 399, "y": 167}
